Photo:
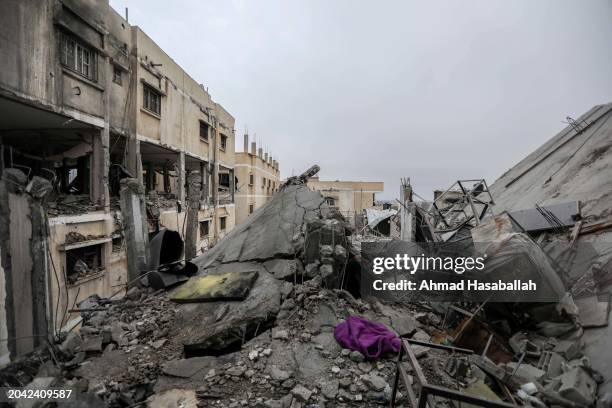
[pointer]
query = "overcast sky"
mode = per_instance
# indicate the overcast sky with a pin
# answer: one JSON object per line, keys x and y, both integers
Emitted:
{"x": 431, "y": 90}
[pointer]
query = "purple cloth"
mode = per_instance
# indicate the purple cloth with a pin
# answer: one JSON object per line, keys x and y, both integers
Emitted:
{"x": 369, "y": 338}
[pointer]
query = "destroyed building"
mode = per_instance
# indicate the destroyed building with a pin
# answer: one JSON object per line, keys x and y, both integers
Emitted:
{"x": 257, "y": 178}
{"x": 350, "y": 198}
{"x": 262, "y": 319}
{"x": 105, "y": 141}
{"x": 553, "y": 206}
{"x": 88, "y": 100}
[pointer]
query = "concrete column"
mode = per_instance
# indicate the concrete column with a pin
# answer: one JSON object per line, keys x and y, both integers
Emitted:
{"x": 253, "y": 148}
{"x": 245, "y": 147}
{"x": 135, "y": 227}
{"x": 407, "y": 214}
{"x": 266, "y": 157}
{"x": 260, "y": 153}
{"x": 23, "y": 231}
{"x": 181, "y": 177}
{"x": 194, "y": 181}
{"x": 38, "y": 188}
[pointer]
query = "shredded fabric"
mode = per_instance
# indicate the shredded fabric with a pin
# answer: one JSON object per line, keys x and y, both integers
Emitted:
{"x": 369, "y": 338}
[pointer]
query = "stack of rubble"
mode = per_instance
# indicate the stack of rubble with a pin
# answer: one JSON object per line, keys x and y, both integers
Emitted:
{"x": 70, "y": 204}
{"x": 255, "y": 327}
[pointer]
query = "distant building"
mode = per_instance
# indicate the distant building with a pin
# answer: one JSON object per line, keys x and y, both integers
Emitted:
{"x": 257, "y": 179}
{"x": 348, "y": 197}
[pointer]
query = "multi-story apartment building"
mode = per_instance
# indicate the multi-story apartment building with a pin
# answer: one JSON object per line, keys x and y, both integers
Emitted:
{"x": 257, "y": 179}
{"x": 86, "y": 100}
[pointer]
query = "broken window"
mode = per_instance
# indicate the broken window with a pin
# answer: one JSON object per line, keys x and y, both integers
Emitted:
{"x": 222, "y": 223}
{"x": 78, "y": 57}
{"x": 73, "y": 175}
{"x": 224, "y": 179}
{"x": 331, "y": 201}
{"x": 117, "y": 243}
{"x": 83, "y": 262}
{"x": 117, "y": 75}
{"x": 223, "y": 142}
{"x": 203, "y": 131}
{"x": 204, "y": 229}
{"x": 251, "y": 207}
{"x": 251, "y": 179}
{"x": 152, "y": 99}
{"x": 226, "y": 186}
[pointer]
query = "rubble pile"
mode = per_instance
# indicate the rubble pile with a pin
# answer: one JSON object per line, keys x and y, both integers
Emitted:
{"x": 257, "y": 324}
{"x": 70, "y": 204}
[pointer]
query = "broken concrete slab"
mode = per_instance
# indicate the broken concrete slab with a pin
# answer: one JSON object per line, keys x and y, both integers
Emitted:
{"x": 226, "y": 286}
{"x": 269, "y": 232}
{"x": 594, "y": 311}
{"x": 188, "y": 367}
{"x": 284, "y": 269}
{"x": 191, "y": 372}
{"x": 578, "y": 386}
{"x": 569, "y": 349}
{"x": 174, "y": 398}
{"x": 525, "y": 372}
{"x": 198, "y": 331}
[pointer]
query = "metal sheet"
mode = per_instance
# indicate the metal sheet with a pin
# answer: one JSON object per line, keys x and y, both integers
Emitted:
{"x": 532, "y": 220}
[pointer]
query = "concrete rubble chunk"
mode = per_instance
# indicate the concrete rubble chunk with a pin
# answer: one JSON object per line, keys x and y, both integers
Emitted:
{"x": 72, "y": 344}
{"x": 188, "y": 367}
{"x": 525, "y": 371}
{"x": 578, "y": 386}
{"x": 284, "y": 269}
{"x": 280, "y": 334}
{"x": 301, "y": 393}
{"x": 569, "y": 349}
{"x": 374, "y": 381}
{"x": 330, "y": 389}
{"x": 278, "y": 374}
{"x": 236, "y": 371}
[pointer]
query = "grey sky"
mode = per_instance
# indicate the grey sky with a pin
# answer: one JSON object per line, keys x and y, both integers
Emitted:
{"x": 434, "y": 91}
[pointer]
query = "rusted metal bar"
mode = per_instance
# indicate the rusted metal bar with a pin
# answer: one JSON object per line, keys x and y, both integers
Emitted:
{"x": 414, "y": 363}
{"x": 408, "y": 386}
{"x": 397, "y": 375}
{"x": 427, "y": 391}
{"x": 440, "y": 346}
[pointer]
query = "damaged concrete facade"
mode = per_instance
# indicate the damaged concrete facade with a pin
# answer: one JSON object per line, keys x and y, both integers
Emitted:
{"x": 88, "y": 100}
{"x": 258, "y": 178}
{"x": 350, "y": 198}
